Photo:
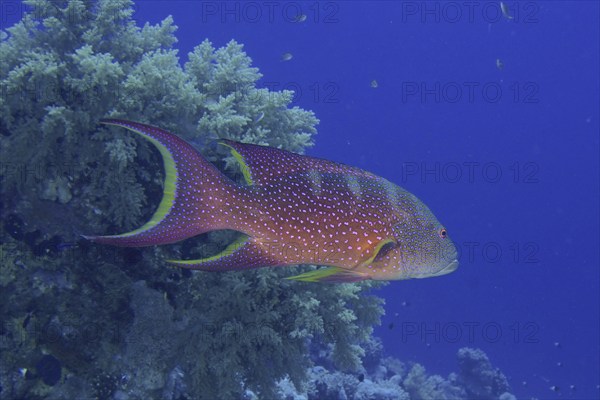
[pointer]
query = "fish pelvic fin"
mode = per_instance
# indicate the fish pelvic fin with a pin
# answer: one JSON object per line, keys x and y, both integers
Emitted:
{"x": 330, "y": 274}
{"x": 192, "y": 191}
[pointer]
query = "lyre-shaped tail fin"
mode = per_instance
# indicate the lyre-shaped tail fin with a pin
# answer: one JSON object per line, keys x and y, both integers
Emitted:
{"x": 193, "y": 189}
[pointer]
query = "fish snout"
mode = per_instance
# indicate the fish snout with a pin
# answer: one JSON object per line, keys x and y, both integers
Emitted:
{"x": 451, "y": 267}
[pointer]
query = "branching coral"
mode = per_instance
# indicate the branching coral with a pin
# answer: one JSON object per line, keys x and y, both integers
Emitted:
{"x": 62, "y": 68}
{"x": 256, "y": 319}
{"x": 88, "y": 60}
{"x": 476, "y": 379}
{"x": 478, "y": 376}
{"x": 423, "y": 387}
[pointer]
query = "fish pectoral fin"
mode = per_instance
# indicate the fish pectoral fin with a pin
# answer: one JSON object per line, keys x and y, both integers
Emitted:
{"x": 330, "y": 274}
{"x": 379, "y": 250}
{"x": 243, "y": 254}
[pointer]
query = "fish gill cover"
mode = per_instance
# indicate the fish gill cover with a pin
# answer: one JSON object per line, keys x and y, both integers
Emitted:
{"x": 118, "y": 323}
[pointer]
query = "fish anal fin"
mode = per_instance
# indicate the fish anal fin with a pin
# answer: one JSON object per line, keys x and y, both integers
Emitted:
{"x": 330, "y": 274}
{"x": 243, "y": 254}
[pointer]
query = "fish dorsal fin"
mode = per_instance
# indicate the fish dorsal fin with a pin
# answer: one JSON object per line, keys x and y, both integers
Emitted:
{"x": 262, "y": 164}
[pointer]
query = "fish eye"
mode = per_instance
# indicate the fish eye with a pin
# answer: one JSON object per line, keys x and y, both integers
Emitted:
{"x": 443, "y": 233}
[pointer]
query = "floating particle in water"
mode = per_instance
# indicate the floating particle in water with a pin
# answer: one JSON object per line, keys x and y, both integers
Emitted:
{"x": 287, "y": 56}
{"x": 572, "y": 387}
{"x": 556, "y": 344}
{"x": 524, "y": 383}
{"x": 559, "y": 364}
{"x": 124, "y": 379}
{"x": 505, "y": 11}
{"x": 499, "y": 64}
{"x": 300, "y": 18}
{"x": 554, "y": 388}
{"x": 374, "y": 84}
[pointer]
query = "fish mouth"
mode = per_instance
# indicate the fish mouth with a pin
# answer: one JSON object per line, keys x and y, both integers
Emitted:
{"x": 447, "y": 269}
{"x": 444, "y": 271}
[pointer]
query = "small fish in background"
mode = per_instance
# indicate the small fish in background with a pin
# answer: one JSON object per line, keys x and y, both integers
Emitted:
{"x": 300, "y": 18}
{"x": 259, "y": 117}
{"x": 374, "y": 84}
{"x": 287, "y": 56}
{"x": 499, "y": 64}
{"x": 505, "y": 11}
{"x": 391, "y": 326}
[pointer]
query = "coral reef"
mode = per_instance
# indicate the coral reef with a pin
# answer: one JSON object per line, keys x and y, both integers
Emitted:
{"x": 54, "y": 93}
{"x": 81, "y": 321}
{"x": 118, "y": 322}
{"x": 391, "y": 380}
{"x": 422, "y": 387}
{"x": 476, "y": 379}
{"x": 480, "y": 379}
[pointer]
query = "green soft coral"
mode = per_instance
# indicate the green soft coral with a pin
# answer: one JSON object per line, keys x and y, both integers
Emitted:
{"x": 59, "y": 77}
{"x": 257, "y": 318}
{"x": 88, "y": 61}
{"x": 68, "y": 64}
{"x": 235, "y": 108}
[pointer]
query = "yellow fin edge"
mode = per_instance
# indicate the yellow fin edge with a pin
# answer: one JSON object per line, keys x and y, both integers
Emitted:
{"x": 232, "y": 248}
{"x": 316, "y": 275}
{"x": 169, "y": 189}
{"x": 242, "y": 162}
{"x": 376, "y": 251}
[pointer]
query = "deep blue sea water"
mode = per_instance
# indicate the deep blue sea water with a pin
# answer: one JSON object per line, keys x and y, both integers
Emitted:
{"x": 506, "y": 157}
{"x": 493, "y": 123}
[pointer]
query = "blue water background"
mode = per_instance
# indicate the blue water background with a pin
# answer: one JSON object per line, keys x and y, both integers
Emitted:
{"x": 511, "y": 168}
{"x": 534, "y": 309}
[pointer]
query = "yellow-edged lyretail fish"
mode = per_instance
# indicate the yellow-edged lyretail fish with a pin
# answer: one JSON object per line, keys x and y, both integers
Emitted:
{"x": 292, "y": 210}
